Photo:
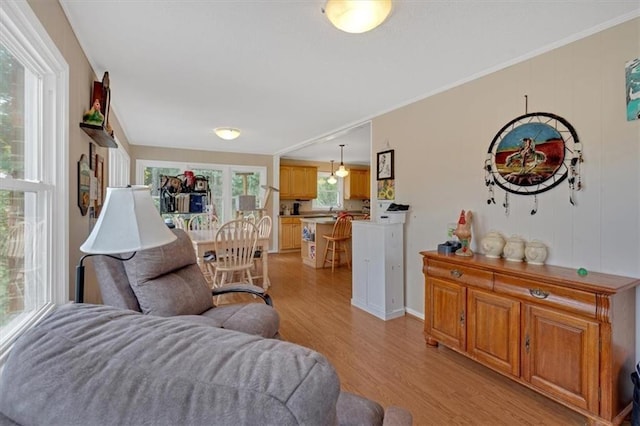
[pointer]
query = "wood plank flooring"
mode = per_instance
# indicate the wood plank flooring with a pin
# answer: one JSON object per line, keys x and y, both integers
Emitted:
{"x": 388, "y": 361}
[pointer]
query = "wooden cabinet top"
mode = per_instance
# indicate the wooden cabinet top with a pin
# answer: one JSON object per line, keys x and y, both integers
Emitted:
{"x": 594, "y": 281}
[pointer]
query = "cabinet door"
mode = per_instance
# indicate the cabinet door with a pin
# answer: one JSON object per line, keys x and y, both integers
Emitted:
{"x": 298, "y": 182}
{"x": 493, "y": 330}
{"x": 296, "y": 234}
{"x": 310, "y": 183}
{"x": 285, "y": 182}
{"x": 286, "y": 242}
{"x": 561, "y": 355}
{"x": 445, "y": 313}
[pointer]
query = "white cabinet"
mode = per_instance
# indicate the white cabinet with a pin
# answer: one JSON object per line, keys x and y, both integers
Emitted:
{"x": 378, "y": 272}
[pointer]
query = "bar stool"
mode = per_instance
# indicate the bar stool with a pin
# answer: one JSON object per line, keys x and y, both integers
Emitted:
{"x": 338, "y": 242}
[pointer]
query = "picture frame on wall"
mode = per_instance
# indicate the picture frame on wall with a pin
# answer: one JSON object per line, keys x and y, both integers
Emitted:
{"x": 385, "y": 166}
{"x": 92, "y": 155}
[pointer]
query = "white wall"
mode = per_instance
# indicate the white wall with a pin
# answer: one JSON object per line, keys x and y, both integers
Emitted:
{"x": 441, "y": 143}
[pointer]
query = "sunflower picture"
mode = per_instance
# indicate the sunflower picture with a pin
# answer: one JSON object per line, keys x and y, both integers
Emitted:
{"x": 386, "y": 189}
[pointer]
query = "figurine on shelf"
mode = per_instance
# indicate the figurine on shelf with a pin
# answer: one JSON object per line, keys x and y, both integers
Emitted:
{"x": 94, "y": 115}
{"x": 463, "y": 232}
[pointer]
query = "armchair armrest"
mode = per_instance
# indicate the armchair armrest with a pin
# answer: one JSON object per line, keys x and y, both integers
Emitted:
{"x": 243, "y": 288}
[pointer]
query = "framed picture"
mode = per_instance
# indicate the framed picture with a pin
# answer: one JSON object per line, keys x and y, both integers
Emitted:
{"x": 92, "y": 155}
{"x": 84, "y": 184}
{"x": 385, "y": 165}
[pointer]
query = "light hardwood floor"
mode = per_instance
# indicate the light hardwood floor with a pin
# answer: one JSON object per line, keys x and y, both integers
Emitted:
{"x": 388, "y": 361}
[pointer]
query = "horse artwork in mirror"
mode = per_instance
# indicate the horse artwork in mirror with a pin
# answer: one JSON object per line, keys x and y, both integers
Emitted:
{"x": 531, "y": 154}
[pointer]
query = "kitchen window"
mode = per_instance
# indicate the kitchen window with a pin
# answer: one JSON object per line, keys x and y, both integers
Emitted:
{"x": 329, "y": 195}
{"x": 34, "y": 193}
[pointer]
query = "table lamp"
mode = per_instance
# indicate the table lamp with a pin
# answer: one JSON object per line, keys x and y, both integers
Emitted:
{"x": 128, "y": 222}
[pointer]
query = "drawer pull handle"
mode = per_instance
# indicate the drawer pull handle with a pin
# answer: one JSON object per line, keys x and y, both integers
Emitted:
{"x": 538, "y": 294}
{"x": 456, "y": 273}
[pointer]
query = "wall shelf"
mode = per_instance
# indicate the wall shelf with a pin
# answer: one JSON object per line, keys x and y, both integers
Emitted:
{"x": 99, "y": 135}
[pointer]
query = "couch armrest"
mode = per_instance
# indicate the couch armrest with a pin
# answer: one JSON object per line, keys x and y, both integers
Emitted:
{"x": 396, "y": 416}
{"x": 243, "y": 288}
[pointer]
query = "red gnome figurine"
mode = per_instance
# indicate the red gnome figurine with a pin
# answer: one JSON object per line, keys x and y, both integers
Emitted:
{"x": 463, "y": 232}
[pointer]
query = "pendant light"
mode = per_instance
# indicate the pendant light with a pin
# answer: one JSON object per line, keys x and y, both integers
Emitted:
{"x": 342, "y": 172}
{"x": 331, "y": 180}
{"x": 357, "y": 16}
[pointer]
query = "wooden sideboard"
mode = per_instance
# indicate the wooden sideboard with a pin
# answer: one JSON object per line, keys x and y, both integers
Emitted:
{"x": 566, "y": 336}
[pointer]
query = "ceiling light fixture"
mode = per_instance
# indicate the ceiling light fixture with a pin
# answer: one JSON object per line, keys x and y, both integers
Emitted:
{"x": 331, "y": 180}
{"x": 357, "y": 16}
{"x": 227, "y": 133}
{"x": 342, "y": 172}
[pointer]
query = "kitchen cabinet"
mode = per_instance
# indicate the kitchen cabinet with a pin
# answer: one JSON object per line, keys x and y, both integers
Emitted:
{"x": 357, "y": 185}
{"x": 566, "y": 336}
{"x": 378, "y": 268}
{"x": 298, "y": 182}
{"x": 289, "y": 234}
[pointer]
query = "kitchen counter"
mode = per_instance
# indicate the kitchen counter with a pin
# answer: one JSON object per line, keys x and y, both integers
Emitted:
{"x": 313, "y": 245}
{"x": 321, "y": 214}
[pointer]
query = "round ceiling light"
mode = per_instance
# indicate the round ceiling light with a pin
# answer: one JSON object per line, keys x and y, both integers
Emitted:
{"x": 357, "y": 16}
{"x": 227, "y": 133}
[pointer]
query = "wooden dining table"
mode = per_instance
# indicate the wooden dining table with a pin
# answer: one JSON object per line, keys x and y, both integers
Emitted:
{"x": 204, "y": 240}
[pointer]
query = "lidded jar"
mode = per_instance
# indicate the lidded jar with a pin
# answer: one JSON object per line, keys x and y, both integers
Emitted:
{"x": 514, "y": 249}
{"x": 492, "y": 244}
{"x": 535, "y": 252}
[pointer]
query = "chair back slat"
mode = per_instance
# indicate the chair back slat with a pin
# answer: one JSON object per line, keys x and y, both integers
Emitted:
{"x": 264, "y": 226}
{"x": 342, "y": 227}
{"x": 235, "y": 245}
{"x": 203, "y": 221}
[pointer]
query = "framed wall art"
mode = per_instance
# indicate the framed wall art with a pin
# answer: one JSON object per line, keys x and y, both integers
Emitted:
{"x": 385, "y": 165}
{"x": 632, "y": 80}
{"x": 531, "y": 154}
{"x": 84, "y": 184}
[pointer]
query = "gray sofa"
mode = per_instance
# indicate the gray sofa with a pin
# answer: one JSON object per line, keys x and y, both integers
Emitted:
{"x": 99, "y": 365}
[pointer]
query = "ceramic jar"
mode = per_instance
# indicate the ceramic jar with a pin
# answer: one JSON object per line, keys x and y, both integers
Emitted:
{"x": 535, "y": 252}
{"x": 514, "y": 249}
{"x": 492, "y": 244}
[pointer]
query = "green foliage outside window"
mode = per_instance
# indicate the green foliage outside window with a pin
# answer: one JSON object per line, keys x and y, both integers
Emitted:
{"x": 11, "y": 165}
{"x": 328, "y": 194}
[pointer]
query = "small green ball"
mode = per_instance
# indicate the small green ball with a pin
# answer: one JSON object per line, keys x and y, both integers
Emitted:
{"x": 582, "y": 272}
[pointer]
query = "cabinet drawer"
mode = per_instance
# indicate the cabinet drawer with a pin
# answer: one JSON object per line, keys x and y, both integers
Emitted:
{"x": 566, "y": 299}
{"x": 461, "y": 274}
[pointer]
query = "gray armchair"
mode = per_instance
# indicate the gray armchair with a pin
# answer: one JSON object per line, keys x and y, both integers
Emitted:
{"x": 166, "y": 281}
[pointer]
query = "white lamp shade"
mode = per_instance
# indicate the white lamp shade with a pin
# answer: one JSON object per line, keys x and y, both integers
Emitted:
{"x": 357, "y": 16}
{"x": 128, "y": 222}
{"x": 331, "y": 180}
{"x": 342, "y": 172}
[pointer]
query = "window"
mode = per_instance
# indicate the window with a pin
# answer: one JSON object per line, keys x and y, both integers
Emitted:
{"x": 33, "y": 172}
{"x": 226, "y": 182}
{"x": 329, "y": 195}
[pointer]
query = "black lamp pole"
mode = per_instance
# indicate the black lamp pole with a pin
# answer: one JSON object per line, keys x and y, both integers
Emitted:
{"x": 80, "y": 273}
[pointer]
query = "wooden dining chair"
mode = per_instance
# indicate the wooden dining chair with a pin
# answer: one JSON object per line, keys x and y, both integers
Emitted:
{"x": 264, "y": 226}
{"x": 235, "y": 244}
{"x": 338, "y": 242}
{"x": 203, "y": 221}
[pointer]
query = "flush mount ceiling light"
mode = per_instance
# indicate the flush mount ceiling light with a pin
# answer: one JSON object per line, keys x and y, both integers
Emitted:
{"x": 342, "y": 172}
{"x": 357, "y": 16}
{"x": 227, "y": 133}
{"x": 331, "y": 180}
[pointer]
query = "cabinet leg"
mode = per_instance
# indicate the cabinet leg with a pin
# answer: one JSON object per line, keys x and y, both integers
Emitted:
{"x": 431, "y": 341}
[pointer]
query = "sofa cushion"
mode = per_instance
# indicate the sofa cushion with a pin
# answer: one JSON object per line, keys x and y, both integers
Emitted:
{"x": 167, "y": 280}
{"x": 253, "y": 318}
{"x": 98, "y": 365}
